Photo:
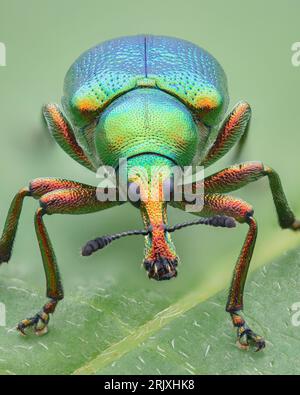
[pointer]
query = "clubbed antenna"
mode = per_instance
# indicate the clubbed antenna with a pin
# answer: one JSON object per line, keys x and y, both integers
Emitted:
{"x": 221, "y": 221}
{"x": 100, "y": 242}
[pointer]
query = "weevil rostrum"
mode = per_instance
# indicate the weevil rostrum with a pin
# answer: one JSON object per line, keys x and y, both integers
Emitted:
{"x": 154, "y": 101}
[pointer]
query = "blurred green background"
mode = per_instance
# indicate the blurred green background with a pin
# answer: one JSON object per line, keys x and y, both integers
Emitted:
{"x": 252, "y": 41}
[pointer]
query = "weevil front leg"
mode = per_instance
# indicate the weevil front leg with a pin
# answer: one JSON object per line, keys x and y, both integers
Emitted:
{"x": 56, "y": 197}
{"x": 230, "y": 179}
{"x": 218, "y": 204}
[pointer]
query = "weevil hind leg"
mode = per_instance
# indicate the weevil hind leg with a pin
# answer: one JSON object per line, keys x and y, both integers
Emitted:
{"x": 11, "y": 225}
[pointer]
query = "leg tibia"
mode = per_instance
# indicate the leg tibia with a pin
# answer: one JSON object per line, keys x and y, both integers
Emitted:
{"x": 54, "y": 286}
{"x": 235, "y": 297}
{"x": 11, "y": 225}
{"x": 286, "y": 217}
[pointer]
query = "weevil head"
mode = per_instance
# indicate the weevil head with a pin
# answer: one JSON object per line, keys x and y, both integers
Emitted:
{"x": 149, "y": 178}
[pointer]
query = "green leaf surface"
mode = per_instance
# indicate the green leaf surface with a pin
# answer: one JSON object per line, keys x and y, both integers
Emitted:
{"x": 137, "y": 331}
{"x": 201, "y": 340}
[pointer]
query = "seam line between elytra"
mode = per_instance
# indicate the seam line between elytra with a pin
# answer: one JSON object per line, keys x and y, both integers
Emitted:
{"x": 145, "y": 57}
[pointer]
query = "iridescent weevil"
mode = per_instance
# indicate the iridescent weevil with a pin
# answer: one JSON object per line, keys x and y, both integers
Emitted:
{"x": 154, "y": 101}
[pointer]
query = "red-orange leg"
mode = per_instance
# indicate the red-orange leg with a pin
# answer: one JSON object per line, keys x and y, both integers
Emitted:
{"x": 56, "y": 197}
{"x": 36, "y": 189}
{"x": 54, "y": 286}
{"x": 11, "y": 225}
{"x": 63, "y": 133}
{"x": 237, "y": 176}
{"x": 218, "y": 204}
{"x": 232, "y": 130}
